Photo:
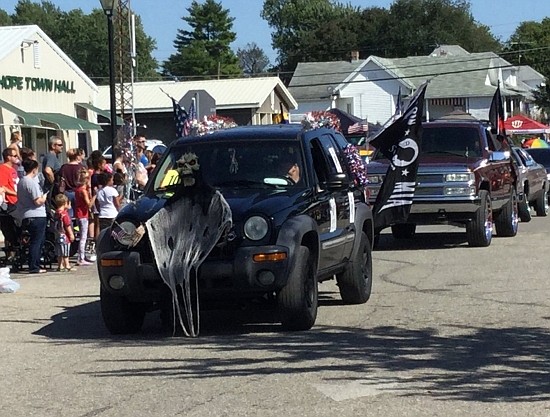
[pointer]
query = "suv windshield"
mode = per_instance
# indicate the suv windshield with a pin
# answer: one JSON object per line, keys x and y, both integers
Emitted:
{"x": 449, "y": 140}
{"x": 242, "y": 164}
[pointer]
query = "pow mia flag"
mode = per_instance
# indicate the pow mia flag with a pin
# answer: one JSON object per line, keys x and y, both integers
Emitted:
{"x": 400, "y": 142}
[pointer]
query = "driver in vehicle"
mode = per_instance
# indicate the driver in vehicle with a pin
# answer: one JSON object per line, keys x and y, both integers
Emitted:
{"x": 290, "y": 170}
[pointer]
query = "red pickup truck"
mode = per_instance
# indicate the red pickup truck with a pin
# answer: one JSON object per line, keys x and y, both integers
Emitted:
{"x": 465, "y": 178}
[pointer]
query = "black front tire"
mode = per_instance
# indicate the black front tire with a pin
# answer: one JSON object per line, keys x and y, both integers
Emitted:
{"x": 479, "y": 231}
{"x": 524, "y": 211}
{"x": 355, "y": 283}
{"x": 298, "y": 300}
{"x": 120, "y": 315}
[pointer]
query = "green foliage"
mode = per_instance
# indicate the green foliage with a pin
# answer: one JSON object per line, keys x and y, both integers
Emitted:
{"x": 252, "y": 59}
{"x": 323, "y": 30}
{"x": 419, "y": 26}
{"x": 528, "y": 45}
{"x": 83, "y": 37}
{"x": 204, "y": 50}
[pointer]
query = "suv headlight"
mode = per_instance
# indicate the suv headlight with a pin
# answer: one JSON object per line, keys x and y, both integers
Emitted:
{"x": 256, "y": 228}
{"x": 459, "y": 177}
{"x": 127, "y": 233}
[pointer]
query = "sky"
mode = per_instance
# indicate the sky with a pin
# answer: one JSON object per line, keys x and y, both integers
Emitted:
{"x": 162, "y": 18}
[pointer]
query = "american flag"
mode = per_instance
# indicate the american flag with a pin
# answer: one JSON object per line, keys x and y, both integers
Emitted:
{"x": 359, "y": 127}
{"x": 180, "y": 118}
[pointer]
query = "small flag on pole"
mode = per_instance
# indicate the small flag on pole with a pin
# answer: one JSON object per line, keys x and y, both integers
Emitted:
{"x": 496, "y": 112}
{"x": 398, "y": 104}
{"x": 180, "y": 119}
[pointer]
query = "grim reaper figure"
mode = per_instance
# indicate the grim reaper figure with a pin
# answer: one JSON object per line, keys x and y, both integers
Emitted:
{"x": 182, "y": 235}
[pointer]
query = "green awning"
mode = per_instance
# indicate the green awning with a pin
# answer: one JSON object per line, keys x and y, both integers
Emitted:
{"x": 104, "y": 113}
{"x": 64, "y": 122}
{"x": 27, "y": 119}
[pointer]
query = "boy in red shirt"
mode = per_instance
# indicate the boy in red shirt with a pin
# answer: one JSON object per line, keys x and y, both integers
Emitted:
{"x": 8, "y": 182}
{"x": 64, "y": 233}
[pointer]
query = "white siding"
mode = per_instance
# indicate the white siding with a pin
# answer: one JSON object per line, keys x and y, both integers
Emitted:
{"x": 372, "y": 100}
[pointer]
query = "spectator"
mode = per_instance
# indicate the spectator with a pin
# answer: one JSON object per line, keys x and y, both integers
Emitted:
{"x": 108, "y": 200}
{"x": 51, "y": 163}
{"x": 16, "y": 141}
{"x": 83, "y": 204}
{"x": 70, "y": 173}
{"x": 120, "y": 184}
{"x": 64, "y": 234}
{"x": 8, "y": 181}
{"x": 140, "y": 144}
{"x": 98, "y": 167}
{"x": 32, "y": 210}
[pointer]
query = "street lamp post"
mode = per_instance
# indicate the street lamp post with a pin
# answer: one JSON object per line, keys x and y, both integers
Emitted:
{"x": 109, "y": 7}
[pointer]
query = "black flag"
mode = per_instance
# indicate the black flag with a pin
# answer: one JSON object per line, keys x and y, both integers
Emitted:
{"x": 400, "y": 142}
{"x": 496, "y": 113}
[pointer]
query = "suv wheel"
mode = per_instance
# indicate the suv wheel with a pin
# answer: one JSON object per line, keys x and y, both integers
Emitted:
{"x": 524, "y": 210}
{"x": 298, "y": 300}
{"x": 541, "y": 204}
{"x": 120, "y": 315}
{"x": 506, "y": 223}
{"x": 479, "y": 231}
{"x": 403, "y": 230}
{"x": 355, "y": 283}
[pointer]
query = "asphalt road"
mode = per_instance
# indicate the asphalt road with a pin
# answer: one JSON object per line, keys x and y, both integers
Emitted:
{"x": 449, "y": 331}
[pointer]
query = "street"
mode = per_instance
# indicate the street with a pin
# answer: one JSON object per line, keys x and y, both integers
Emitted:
{"x": 449, "y": 331}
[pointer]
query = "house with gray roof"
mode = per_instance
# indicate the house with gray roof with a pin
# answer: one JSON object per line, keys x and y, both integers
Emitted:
{"x": 458, "y": 80}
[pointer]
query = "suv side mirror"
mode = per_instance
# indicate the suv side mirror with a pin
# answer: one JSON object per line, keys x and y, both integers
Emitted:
{"x": 337, "y": 182}
{"x": 498, "y": 156}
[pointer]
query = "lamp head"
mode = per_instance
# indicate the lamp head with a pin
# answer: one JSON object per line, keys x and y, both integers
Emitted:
{"x": 108, "y": 6}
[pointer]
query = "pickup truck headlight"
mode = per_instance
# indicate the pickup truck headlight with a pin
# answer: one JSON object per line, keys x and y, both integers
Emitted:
{"x": 256, "y": 228}
{"x": 459, "y": 177}
{"x": 468, "y": 190}
{"x": 375, "y": 179}
{"x": 127, "y": 233}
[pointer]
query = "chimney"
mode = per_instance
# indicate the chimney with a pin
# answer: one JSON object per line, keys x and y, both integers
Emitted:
{"x": 355, "y": 55}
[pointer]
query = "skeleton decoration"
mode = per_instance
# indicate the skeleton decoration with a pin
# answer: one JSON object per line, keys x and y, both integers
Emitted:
{"x": 182, "y": 234}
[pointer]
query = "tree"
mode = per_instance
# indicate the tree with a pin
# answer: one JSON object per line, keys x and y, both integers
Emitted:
{"x": 311, "y": 30}
{"x": 83, "y": 37}
{"x": 418, "y": 26}
{"x": 5, "y": 18}
{"x": 528, "y": 45}
{"x": 252, "y": 59}
{"x": 204, "y": 50}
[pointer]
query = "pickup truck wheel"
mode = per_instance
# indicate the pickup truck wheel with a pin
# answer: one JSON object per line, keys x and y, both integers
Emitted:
{"x": 541, "y": 204}
{"x": 355, "y": 283}
{"x": 403, "y": 230}
{"x": 479, "y": 231}
{"x": 506, "y": 223}
{"x": 524, "y": 211}
{"x": 298, "y": 300}
{"x": 120, "y": 315}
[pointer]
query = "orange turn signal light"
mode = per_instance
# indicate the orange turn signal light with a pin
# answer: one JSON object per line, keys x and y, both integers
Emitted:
{"x": 111, "y": 262}
{"x": 269, "y": 257}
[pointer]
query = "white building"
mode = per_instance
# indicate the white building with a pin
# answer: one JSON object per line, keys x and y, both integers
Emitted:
{"x": 43, "y": 93}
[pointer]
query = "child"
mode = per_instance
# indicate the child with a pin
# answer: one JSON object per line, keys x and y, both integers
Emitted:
{"x": 83, "y": 203}
{"x": 108, "y": 200}
{"x": 64, "y": 233}
{"x": 119, "y": 181}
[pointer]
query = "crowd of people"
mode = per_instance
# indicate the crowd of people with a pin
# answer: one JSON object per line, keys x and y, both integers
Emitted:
{"x": 71, "y": 200}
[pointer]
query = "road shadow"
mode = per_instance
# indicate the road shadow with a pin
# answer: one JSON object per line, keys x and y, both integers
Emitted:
{"x": 477, "y": 364}
{"x": 422, "y": 240}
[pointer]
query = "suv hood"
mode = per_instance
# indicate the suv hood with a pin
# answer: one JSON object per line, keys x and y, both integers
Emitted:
{"x": 241, "y": 201}
{"x": 431, "y": 163}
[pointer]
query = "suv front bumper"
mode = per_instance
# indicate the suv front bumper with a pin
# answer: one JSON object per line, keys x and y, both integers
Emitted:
{"x": 240, "y": 276}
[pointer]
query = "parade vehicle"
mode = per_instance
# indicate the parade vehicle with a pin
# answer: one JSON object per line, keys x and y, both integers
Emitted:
{"x": 299, "y": 217}
{"x": 465, "y": 178}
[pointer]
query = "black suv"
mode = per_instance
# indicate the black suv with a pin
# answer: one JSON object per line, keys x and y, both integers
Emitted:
{"x": 287, "y": 233}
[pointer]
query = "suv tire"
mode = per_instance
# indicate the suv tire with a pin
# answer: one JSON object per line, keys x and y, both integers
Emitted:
{"x": 355, "y": 283}
{"x": 298, "y": 299}
{"x": 479, "y": 231}
{"x": 120, "y": 315}
{"x": 541, "y": 204}
{"x": 524, "y": 210}
{"x": 403, "y": 230}
{"x": 506, "y": 223}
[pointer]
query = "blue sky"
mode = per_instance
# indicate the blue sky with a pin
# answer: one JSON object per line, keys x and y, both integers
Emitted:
{"x": 162, "y": 18}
